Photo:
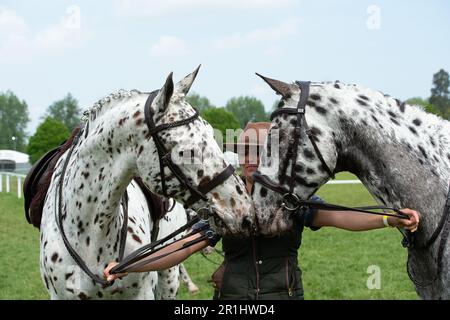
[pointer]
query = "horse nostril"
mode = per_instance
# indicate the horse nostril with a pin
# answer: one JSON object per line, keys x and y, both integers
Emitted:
{"x": 246, "y": 224}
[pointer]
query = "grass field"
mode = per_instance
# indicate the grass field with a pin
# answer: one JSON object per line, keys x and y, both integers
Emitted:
{"x": 334, "y": 262}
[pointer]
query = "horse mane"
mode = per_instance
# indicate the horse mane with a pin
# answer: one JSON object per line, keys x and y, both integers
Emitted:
{"x": 38, "y": 198}
{"x": 106, "y": 103}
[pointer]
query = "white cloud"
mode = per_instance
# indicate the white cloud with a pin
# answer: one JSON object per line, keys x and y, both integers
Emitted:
{"x": 18, "y": 43}
{"x": 170, "y": 7}
{"x": 169, "y": 46}
{"x": 258, "y": 36}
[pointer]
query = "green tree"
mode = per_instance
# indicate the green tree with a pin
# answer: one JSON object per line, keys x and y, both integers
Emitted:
{"x": 440, "y": 92}
{"x": 425, "y": 104}
{"x": 13, "y": 122}
{"x": 198, "y": 102}
{"x": 247, "y": 109}
{"x": 49, "y": 134}
{"x": 65, "y": 111}
{"x": 220, "y": 119}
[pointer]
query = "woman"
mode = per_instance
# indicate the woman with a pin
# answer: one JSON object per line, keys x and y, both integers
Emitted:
{"x": 262, "y": 267}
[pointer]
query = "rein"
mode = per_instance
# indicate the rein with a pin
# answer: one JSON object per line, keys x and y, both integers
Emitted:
{"x": 59, "y": 222}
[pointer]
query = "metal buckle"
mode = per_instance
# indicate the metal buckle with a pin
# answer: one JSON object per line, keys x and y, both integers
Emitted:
{"x": 205, "y": 215}
{"x": 286, "y": 202}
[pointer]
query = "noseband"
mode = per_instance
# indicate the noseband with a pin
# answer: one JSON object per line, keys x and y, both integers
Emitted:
{"x": 197, "y": 192}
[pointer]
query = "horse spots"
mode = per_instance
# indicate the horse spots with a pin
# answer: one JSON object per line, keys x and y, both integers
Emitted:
{"x": 362, "y": 102}
{"x": 363, "y": 97}
{"x": 216, "y": 195}
{"x": 308, "y": 154}
{"x": 136, "y": 238}
{"x": 233, "y": 202}
{"x": 200, "y": 173}
{"x": 136, "y": 114}
{"x": 85, "y": 174}
{"x": 135, "y": 285}
{"x": 81, "y": 186}
{"x": 263, "y": 192}
{"x": 309, "y": 103}
{"x": 293, "y": 122}
{"x": 402, "y": 107}
{"x": 315, "y": 97}
{"x": 412, "y": 130}
{"x": 140, "y": 150}
{"x": 68, "y": 275}
{"x": 310, "y": 171}
{"x": 336, "y": 85}
{"x": 320, "y": 110}
{"x": 392, "y": 114}
{"x": 417, "y": 122}
{"x": 205, "y": 180}
{"x": 239, "y": 190}
{"x": 303, "y": 182}
{"x": 394, "y": 121}
{"x": 334, "y": 101}
{"x": 139, "y": 122}
{"x": 83, "y": 296}
{"x": 100, "y": 294}
{"x": 88, "y": 240}
{"x": 54, "y": 257}
{"x": 422, "y": 150}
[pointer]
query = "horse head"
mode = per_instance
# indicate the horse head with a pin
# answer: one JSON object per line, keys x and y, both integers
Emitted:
{"x": 196, "y": 173}
{"x": 399, "y": 152}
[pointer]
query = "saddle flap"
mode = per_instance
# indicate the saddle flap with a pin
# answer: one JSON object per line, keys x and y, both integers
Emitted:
{"x": 31, "y": 182}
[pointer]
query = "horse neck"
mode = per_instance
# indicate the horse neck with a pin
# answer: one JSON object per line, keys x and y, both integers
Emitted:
{"x": 402, "y": 157}
{"x": 100, "y": 168}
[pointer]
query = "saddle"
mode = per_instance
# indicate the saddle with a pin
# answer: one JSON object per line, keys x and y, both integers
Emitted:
{"x": 37, "y": 182}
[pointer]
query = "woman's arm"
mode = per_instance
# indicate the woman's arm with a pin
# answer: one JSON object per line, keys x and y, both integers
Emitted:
{"x": 357, "y": 221}
{"x": 173, "y": 257}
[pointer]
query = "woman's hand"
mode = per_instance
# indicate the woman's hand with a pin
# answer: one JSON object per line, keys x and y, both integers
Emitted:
{"x": 411, "y": 224}
{"x": 111, "y": 277}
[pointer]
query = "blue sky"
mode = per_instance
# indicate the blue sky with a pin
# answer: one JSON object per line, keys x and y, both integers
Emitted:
{"x": 92, "y": 48}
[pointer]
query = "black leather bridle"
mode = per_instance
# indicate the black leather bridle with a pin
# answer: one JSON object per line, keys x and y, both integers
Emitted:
{"x": 197, "y": 192}
{"x": 292, "y": 202}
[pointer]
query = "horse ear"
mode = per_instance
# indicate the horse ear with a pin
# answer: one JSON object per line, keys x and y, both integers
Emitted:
{"x": 284, "y": 89}
{"x": 183, "y": 86}
{"x": 165, "y": 93}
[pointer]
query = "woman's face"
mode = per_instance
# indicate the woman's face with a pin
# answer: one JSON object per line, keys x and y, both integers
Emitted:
{"x": 251, "y": 161}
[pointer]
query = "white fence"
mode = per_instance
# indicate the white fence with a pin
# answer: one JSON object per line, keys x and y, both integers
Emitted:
{"x": 5, "y": 182}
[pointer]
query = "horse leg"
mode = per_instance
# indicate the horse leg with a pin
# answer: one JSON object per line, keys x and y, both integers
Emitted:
{"x": 187, "y": 281}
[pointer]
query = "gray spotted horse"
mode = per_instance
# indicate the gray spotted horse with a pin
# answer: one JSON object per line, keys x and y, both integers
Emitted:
{"x": 400, "y": 153}
{"x": 90, "y": 178}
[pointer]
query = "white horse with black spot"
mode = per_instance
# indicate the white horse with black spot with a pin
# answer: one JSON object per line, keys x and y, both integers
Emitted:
{"x": 84, "y": 199}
